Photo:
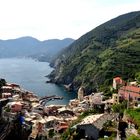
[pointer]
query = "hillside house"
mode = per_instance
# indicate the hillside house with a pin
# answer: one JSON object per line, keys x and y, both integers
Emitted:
{"x": 16, "y": 88}
{"x": 6, "y": 95}
{"x": 93, "y": 124}
{"x": 131, "y": 93}
{"x": 117, "y": 82}
{"x": 14, "y": 106}
{"x": 61, "y": 127}
{"x": 7, "y": 89}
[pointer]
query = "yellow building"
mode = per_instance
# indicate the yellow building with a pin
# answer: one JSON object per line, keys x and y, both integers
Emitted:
{"x": 115, "y": 98}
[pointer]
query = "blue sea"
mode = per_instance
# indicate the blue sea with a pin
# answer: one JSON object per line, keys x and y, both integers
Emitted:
{"x": 30, "y": 75}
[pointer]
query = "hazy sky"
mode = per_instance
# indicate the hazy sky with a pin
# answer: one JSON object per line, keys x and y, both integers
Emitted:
{"x": 48, "y": 19}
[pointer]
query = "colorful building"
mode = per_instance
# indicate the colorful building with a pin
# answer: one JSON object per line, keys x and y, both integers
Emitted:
{"x": 130, "y": 93}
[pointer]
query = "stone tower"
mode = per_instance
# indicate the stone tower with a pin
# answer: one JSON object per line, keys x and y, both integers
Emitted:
{"x": 81, "y": 92}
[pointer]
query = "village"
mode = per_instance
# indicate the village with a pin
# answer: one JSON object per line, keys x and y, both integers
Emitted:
{"x": 35, "y": 120}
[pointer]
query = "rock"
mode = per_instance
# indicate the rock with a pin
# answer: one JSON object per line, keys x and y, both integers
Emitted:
{"x": 69, "y": 87}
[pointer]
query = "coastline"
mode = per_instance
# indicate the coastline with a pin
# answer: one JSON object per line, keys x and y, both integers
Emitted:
{"x": 30, "y": 75}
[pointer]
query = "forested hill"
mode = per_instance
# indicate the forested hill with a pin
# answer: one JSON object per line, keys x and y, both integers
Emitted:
{"x": 111, "y": 49}
{"x": 31, "y": 47}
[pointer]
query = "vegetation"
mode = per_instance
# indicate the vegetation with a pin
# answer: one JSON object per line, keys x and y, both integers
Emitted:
{"x": 138, "y": 77}
{"x": 133, "y": 137}
{"x": 119, "y": 108}
{"x": 70, "y": 133}
{"x": 112, "y": 137}
{"x": 51, "y": 133}
{"x": 2, "y": 82}
{"x": 108, "y": 124}
{"x": 7, "y": 109}
{"x": 134, "y": 114}
{"x": 110, "y": 50}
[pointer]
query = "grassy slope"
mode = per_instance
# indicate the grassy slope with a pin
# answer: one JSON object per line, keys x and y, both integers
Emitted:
{"x": 134, "y": 114}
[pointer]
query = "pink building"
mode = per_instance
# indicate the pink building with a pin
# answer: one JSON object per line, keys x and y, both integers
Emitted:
{"x": 16, "y": 106}
{"x": 130, "y": 92}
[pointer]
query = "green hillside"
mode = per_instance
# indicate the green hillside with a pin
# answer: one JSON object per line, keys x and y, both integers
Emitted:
{"x": 112, "y": 49}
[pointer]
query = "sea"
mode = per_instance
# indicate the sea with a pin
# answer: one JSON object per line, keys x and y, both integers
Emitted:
{"x": 31, "y": 75}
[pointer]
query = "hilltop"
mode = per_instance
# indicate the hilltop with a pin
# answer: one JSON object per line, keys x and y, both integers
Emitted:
{"x": 111, "y": 49}
{"x": 31, "y": 47}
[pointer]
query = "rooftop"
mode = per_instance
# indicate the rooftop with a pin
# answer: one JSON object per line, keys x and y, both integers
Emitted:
{"x": 52, "y": 118}
{"x": 6, "y": 87}
{"x": 117, "y": 78}
{"x": 131, "y": 88}
{"x": 91, "y": 119}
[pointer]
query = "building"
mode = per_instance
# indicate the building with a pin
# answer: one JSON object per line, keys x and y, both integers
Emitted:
{"x": 15, "y": 88}
{"x": 14, "y": 106}
{"x": 95, "y": 98}
{"x": 73, "y": 103}
{"x": 9, "y": 116}
{"x": 130, "y": 93}
{"x": 81, "y": 93}
{"x": 61, "y": 127}
{"x": 65, "y": 112}
{"x": 52, "y": 121}
{"x": 134, "y": 83}
{"x": 6, "y": 95}
{"x": 6, "y": 89}
{"x": 115, "y": 98}
{"x": 93, "y": 124}
{"x": 117, "y": 81}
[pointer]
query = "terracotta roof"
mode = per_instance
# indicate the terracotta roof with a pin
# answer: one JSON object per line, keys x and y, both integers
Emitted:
{"x": 119, "y": 80}
{"x": 131, "y": 88}
{"x": 63, "y": 127}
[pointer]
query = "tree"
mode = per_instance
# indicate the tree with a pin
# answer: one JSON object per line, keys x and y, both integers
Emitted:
{"x": 107, "y": 124}
{"x": 2, "y": 82}
{"x": 51, "y": 133}
{"x": 119, "y": 108}
{"x": 138, "y": 77}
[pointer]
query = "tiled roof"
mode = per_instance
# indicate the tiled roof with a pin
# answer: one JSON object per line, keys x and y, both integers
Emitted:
{"x": 63, "y": 127}
{"x": 131, "y": 88}
{"x": 117, "y": 78}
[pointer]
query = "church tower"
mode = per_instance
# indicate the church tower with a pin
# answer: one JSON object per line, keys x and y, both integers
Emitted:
{"x": 81, "y": 92}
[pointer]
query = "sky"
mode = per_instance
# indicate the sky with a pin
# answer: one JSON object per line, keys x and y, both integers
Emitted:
{"x": 51, "y": 19}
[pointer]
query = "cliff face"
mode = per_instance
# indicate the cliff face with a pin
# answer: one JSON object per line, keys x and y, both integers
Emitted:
{"x": 112, "y": 49}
